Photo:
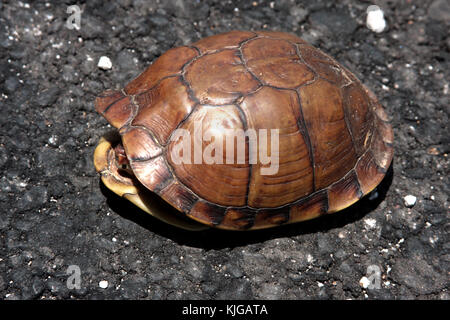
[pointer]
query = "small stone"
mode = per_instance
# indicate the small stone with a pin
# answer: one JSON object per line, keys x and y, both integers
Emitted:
{"x": 158, "y": 20}
{"x": 11, "y": 84}
{"x": 433, "y": 151}
{"x": 33, "y": 198}
{"x": 375, "y": 19}
{"x": 53, "y": 140}
{"x": 299, "y": 15}
{"x": 3, "y": 157}
{"x": 104, "y": 63}
{"x": 47, "y": 97}
{"x": 103, "y": 284}
{"x": 410, "y": 200}
{"x": 126, "y": 60}
{"x": 364, "y": 282}
{"x": 37, "y": 287}
{"x": 88, "y": 65}
{"x": 54, "y": 286}
{"x": 68, "y": 73}
{"x": 370, "y": 223}
{"x": 439, "y": 10}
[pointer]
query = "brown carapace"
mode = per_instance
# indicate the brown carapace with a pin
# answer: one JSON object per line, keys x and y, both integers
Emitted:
{"x": 335, "y": 142}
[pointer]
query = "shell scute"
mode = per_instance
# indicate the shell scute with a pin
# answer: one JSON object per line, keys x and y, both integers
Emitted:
{"x": 163, "y": 108}
{"x": 169, "y": 64}
{"x": 219, "y": 182}
{"x": 220, "y": 78}
{"x": 273, "y": 109}
{"x": 179, "y": 196}
{"x": 276, "y": 63}
{"x": 334, "y": 152}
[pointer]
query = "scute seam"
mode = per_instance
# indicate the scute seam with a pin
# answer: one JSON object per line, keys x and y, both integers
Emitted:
{"x": 306, "y": 137}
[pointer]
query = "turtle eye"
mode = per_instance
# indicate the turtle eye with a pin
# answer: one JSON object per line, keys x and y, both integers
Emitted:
{"x": 125, "y": 167}
{"x": 125, "y": 170}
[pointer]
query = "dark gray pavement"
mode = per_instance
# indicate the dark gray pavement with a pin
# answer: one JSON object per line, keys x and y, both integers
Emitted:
{"x": 57, "y": 219}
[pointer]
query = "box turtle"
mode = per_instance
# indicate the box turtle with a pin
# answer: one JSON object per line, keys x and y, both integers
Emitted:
{"x": 331, "y": 142}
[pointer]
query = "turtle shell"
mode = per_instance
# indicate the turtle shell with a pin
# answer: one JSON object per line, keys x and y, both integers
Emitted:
{"x": 334, "y": 139}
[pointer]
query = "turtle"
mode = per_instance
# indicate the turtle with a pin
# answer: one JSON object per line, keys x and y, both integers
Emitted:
{"x": 332, "y": 139}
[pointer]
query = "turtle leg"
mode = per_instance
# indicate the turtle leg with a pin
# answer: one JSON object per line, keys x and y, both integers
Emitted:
{"x": 127, "y": 186}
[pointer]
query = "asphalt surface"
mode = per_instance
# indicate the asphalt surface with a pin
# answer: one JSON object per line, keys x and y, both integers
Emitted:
{"x": 57, "y": 221}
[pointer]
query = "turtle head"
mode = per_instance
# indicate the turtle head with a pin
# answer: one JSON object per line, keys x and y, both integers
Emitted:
{"x": 111, "y": 162}
{"x": 121, "y": 160}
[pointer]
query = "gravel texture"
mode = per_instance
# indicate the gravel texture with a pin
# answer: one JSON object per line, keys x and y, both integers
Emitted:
{"x": 58, "y": 221}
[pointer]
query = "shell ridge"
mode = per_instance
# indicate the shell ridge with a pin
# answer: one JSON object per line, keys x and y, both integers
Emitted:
{"x": 244, "y": 121}
{"x": 304, "y": 130}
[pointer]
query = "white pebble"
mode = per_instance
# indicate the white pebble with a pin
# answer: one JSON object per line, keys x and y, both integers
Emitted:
{"x": 410, "y": 200}
{"x": 103, "y": 284}
{"x": 53, "y": 140}
{"x": 104, "y": 63}
{"x": 364, "y": 282}
{"x": 375, "y": 19}
{"x": 370, "y": 223}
